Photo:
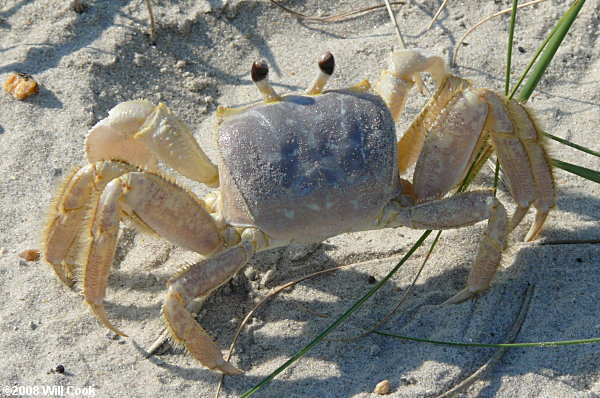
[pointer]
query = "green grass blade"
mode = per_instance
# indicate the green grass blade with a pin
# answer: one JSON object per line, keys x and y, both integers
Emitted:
{"x": 572, "y": 145}
{"x": 534, "y": 59}
{"x": 496, "y": 176}
{"x": 511, "y": 345}
{"x": 550, "y": 50}
{"x": 338, "y": 321}
{"x": 511, "y": 33}
{"x": 584, "y": 172}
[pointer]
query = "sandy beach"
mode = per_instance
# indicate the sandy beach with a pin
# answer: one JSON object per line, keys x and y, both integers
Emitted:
{"x": 87, "y": 63}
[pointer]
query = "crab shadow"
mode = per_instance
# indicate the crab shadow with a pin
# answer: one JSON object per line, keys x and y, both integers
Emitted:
{"x": 562, "y": 276}
{"x": 47, "y": 55}
{"x": 377, "y": 17}
{"x": 587, "y": 207}
{"x": 43, "y": 56}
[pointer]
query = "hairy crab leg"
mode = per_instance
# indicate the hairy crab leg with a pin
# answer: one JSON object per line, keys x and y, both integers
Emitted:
{"x": 161, "y": 206}
{"x": 511, "y": 155}
{"x": 139, "y": 132}
{"x": 199, "y": 280}
{"x": 454, "y": 212}
{"x": 450, "y": 145}
{"x": 489, "y": 254}
{"x": 513, "y": 133}
{"x": 531, "y": 137}
{"x": 68, "y": 212}
{"x": 517, "y": 142}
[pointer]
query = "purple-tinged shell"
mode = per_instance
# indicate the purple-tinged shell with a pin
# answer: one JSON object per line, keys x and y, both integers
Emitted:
{"x": 308, "y": 167}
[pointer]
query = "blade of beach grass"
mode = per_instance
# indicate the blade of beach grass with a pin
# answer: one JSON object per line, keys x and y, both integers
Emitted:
{"x": 546, "y": 54}
{"x": 572, "y": 145}
{"x": 550, "y": 49}
{"x": 584, "y": 172}
{"x": 511, "y": 33}
{"x": 507, "y": 345}
{"x": 532, "y": 62}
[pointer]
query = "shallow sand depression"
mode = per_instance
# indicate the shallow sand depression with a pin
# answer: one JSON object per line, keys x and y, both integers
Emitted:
{"x": 87, "y": 63}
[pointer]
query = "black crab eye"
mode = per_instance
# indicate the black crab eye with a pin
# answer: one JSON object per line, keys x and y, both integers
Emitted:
{"x": 259, "y": 70}
{"x": 327, "y": 63}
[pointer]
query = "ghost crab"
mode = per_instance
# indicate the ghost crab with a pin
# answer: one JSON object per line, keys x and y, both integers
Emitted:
{"x": 295, "y": 168}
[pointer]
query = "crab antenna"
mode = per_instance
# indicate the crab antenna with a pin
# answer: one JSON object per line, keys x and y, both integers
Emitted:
{"x": 259, "y": 74}
{"x": 326, "y": 67}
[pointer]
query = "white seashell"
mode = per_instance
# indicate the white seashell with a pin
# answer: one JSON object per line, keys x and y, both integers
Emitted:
{"x": 382, "y": 388}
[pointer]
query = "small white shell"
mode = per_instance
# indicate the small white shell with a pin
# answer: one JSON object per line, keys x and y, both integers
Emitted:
{"x": 382, "y": 388}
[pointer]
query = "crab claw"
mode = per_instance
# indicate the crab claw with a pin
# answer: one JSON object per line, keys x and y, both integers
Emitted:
{"x": 113, "y": 138}
{"x": 410, "y": 63}
{"x": 139, "y": 133}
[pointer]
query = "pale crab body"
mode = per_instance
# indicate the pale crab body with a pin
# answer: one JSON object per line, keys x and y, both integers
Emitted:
{"x": 297, "y": 168}
{"x": 308, "y": 167}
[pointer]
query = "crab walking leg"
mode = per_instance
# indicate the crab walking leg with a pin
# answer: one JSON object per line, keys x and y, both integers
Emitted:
{"x": 139, "y": 132}
{"x": 455, "y": 212}
{"x": 449, "y": 145}
{"x": 531, "y": 137}
{"x": 511, "y": 154}
{"x": 200, "y": 280}
{"x": 488, "y": 254}
{"x": 163, "y": 207}
{"x": 68, "y": 213}
{"x": 411, "y": 142}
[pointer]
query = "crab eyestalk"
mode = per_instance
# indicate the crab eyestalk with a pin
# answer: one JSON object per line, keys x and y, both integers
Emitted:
{"x": 326, "y": 68}
{"x": 260, "y": 76}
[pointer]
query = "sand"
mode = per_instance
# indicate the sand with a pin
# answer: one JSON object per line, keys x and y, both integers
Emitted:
{"x": 87, "y": 63}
